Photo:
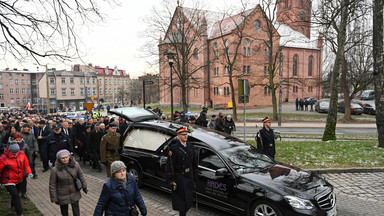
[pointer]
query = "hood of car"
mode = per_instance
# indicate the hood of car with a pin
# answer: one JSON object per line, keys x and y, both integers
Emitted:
{"x": 290, "y": 179}
{"x": 134, "y": 114}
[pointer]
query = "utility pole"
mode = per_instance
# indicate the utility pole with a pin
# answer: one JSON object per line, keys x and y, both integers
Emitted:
{"x": 48, "y": 101}
{"x": 98, "y": 94}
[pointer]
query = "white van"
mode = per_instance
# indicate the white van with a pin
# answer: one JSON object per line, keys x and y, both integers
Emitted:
{"x": 368, "y": 95}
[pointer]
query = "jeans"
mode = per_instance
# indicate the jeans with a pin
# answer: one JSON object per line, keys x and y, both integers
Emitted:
{"x": 15, "y": 202}
{"x": 75, "y": 209}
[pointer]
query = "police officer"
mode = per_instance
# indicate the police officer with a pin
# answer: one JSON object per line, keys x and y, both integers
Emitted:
{"x": 181, "y": 167}
{"x": 110, "y": 147}
{"x": 266, "y": 139}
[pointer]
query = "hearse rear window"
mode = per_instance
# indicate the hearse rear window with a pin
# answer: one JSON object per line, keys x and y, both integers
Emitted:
{"x": 145, "y": 139}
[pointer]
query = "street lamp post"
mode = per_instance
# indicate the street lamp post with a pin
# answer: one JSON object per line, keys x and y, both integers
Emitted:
{"x": 170, "y": 56}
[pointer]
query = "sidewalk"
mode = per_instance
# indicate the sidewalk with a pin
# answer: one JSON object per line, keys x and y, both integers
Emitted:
{"x": 38, "y": 193}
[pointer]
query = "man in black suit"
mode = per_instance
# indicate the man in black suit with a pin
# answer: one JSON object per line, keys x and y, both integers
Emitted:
{"x": 41, "y": 136}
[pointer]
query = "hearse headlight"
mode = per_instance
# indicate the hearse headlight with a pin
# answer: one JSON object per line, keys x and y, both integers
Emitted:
{"x": 299, "y": 203}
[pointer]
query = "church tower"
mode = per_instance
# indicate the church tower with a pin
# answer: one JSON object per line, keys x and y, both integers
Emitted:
{"x": 296, "y": 14}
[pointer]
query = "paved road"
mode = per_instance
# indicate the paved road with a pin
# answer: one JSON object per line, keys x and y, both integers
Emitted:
{"x": 357, "y": 194}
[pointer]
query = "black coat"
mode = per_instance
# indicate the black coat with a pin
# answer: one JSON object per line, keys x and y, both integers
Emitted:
{"x": 229, "y": 126}
{"x": 266, "y": 142}
{"x": 57, "y": 142}
{"x": 185, "y": 173}
{"x": 95, "y": 140}
{"x": 219, "y": 124}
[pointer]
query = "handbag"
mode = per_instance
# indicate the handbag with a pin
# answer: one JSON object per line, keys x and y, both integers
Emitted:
{"x": 132, "y": 209}
{"x": 78, "y": 184}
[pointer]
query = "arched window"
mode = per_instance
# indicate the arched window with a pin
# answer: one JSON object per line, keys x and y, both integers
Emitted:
{"x": 226, "y": 48}
{"x": 246, "y": 45}
{"x": 286, "y": 4}
{"x": 215, "y": 51}
{"x": 295, "y": 59}
{"x": 257, "y": 25}
{"x": 310, "y": 59}
{"x": 196, "y": 54}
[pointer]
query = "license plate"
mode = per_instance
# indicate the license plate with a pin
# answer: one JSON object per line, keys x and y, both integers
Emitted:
{"x": 332, "y": 212}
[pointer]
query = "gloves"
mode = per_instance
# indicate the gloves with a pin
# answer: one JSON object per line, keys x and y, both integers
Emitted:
{"x": 30, "y": 176}
{"x": 85, "y": 190}
{"x": 173, "y": 186}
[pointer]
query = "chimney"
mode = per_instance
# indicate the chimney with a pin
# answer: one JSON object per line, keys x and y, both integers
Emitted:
{"x": 320, "y": 40}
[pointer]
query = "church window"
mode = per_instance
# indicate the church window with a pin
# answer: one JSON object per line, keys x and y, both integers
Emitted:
{"x": 295, "y": 59}
{"x": 196, "y": 54}
{"x": 310, "y": 59}
{"x": 215, "y": 51}
{"x": 226, "y": 49}
{"x": 257, "y": 25}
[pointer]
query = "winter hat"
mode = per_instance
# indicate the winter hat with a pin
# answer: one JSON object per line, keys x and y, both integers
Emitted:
{"x": 62, "y": 153}
{"x": 116, "y": 166}
{"x": 14, "y": 148}
{"x": 17, "y": 135}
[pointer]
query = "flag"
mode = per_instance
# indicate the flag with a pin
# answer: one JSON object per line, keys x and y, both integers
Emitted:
{"x": 29, "y": 106}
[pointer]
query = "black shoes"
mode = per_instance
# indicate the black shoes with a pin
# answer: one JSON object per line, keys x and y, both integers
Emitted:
{"x": 34, "y": 176}
{"x": 24, "y": 195}
{"x": 45, "y": 170}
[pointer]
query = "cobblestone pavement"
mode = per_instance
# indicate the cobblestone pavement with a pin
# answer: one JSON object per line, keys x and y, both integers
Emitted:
{"x": 357, "y": 194}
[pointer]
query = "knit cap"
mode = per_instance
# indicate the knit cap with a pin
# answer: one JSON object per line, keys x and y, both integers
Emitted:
{"x": 62, "y": 153}
{"x": 116, "y": 166}
{"x": 14, "y": 148}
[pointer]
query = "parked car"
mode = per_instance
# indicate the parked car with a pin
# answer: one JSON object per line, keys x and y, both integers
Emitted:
{"x": 310, "y": 100}
{"x": 322, "y": 106}
{"x": 356, "y": 109}
{"x": 233, "y": 175}
{"x": 369, "y": 108}
{"x": 368, "y": 95}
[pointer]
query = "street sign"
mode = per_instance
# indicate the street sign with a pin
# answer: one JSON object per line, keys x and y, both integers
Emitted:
{"x": 53, "y": 102}
{"x": 243, "y": 91}
{"x": 92, "y": 98}
{"x": 149, "y": 82}
{"x": 89, "y": 106}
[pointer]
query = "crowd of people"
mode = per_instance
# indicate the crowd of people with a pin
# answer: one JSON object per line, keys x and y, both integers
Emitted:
{"x": 56, "y": 140}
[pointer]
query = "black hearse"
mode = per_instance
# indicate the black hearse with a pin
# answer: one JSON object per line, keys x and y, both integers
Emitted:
{"x": 233, "y": 175}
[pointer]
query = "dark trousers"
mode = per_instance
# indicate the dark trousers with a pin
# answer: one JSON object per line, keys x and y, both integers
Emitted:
{"x": 182, "y": 213}
{"x": 32, "y": 164}
{"x": 22, "y": 186}
{"x": 75, "y": 209}
{"x": 43, "y": 155}
{"x": 15, "y": 202}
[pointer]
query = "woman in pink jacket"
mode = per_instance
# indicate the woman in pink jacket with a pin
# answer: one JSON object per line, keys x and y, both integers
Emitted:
{"x": 12, "y": 165}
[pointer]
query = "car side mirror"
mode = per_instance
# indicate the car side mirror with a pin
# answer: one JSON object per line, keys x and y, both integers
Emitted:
{"x": 163, "y": 160}
{"x": 221, "y": 172}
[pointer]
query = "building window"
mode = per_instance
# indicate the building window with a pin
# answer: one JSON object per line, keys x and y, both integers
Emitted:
{"x": 94, "y": 91}
{"x": 110, "y": 91}
{"x": 52, "y": 91}
{"x": 63, "y": 80}
{"x": 34, "y": 82}
{"x": 16, "y": 82}
{"x": 23, "y": 82}
{"x": 23, "y": 91}
{"x": 64, "y": 92}
{"x": 1, "y": 96}
{"x": 215, "y": 51}
{"x": 81, "y": 81}
{"x": 286, "y": 4}
{"x": 72, "y": 80}
{"x": 88, "y": 80}
{"x": 106, "y": 82}
{"x": 216, "y": 71}
{"x": 82, "y": 91}
{"x": 295, "y": 89}
{"x": 246, "y": 49}
{"x": 244, "y": 69}
{"x": 1, "y": 86}
{"x": 257, "y": 25}
{"x": 310, "y": 59}
{"x": 17, "y": 100}
{"x": 12, "y": 101}
{"x": 226, "y": 90}
{"x": 94, "y": 81}
{"x": 17, "y": 91}
{"x": 310, "y": 89}
{"x": 295, "y": 65}
{"x": 226, "y": 70}
{"x": 196, "y": 54}
{"x": 248, "y": 69}
{"x": 226, "y": 47}
{"x": 11, "y": 81}
{"x": 215, "y": 90}
{"x": 101, "y": 91}
{"x": 88, "y": 91}
{"x": 10, "y": 91}
{"x": 114, "y": 82}
{"x": 110, "y": 82}
{"x": 24, "y": 100}
{"x": 265, "y": 70}
{"x": 1, "y": 76}
{"x": 267, "y": 90}
{"x": 72, "y": 92}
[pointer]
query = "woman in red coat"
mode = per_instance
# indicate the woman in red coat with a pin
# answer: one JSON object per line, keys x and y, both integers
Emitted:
{"x": 12, "y": 165}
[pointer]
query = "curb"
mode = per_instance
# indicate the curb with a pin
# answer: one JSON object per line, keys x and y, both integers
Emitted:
{"x": 347, "y": 170}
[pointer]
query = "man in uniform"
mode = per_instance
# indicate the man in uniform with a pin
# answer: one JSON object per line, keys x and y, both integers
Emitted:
{"x": 110, "y": 147}
{"x": 181, "y": 167}
{"x": 266, "y": 139}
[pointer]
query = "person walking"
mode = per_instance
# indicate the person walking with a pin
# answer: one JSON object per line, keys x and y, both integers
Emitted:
{"x": 96, "y": 136}
{"x": 297, "y": 104}
{"x": 12, "y": 165}
{"x": 229, "y": 125}
{"x": 265, "y": 138}
{"x": 41, "y": 136}
{"x": 110, "y": 147}
{"x": 212, "y": 122}
{"x": 219, "y": 123}
{"x": 62, "y": 188}
{"x": 120, "y": 194}
{"x": 30, "y": 140}
{"x": 182, "y": 170}
{"x": 57, "y": 141}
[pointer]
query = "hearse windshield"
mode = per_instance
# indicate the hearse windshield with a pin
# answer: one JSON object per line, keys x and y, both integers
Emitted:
{"x": 246, "y": 159}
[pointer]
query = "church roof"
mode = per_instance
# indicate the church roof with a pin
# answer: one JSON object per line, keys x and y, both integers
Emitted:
{"x": 294, "y": 39}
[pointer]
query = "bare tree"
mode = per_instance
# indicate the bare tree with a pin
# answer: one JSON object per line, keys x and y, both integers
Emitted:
{"x": 378, "y": 67}
{"x": 185, "y": 33}
{"x": 40, "y": 29}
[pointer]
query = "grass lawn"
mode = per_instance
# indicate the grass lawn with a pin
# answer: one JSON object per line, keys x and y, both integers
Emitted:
{"x": 5, "y": 205}
{"x": 335, "y": 154}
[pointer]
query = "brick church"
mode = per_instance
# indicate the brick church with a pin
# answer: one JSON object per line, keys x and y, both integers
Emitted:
{"x": 213, "y": 39}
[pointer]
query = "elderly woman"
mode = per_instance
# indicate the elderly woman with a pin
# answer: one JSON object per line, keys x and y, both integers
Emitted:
{"x": 62, "y": 188}
{"x": 120, "y": 193}
{"x": 12, "y": 165}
